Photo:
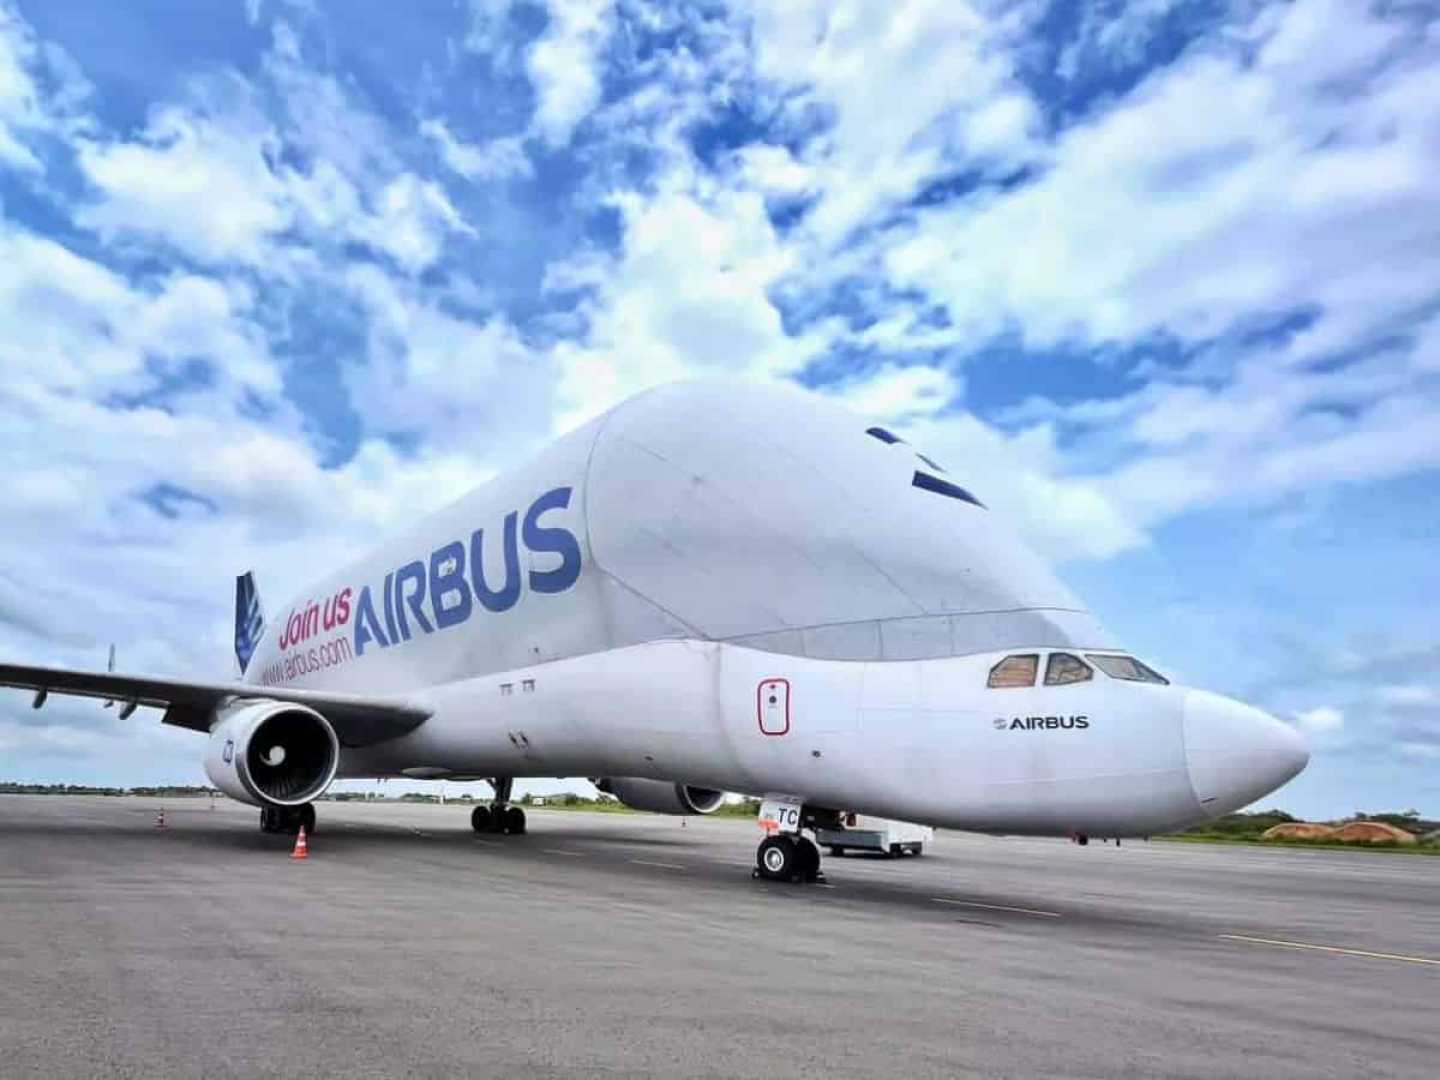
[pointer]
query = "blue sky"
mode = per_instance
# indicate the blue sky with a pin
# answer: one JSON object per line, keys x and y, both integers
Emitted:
{"x": 1160, "y": 279}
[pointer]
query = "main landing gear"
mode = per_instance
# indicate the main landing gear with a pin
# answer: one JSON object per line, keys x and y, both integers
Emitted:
{"x": 499, "y": 816}
{"x": 288, "y": 819}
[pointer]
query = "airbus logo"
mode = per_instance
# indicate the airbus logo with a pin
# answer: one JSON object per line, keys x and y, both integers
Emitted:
{"x": 1042, "y": 723}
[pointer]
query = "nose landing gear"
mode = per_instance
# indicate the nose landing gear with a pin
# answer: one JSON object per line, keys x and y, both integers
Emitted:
{"x": 786, "y": 854}
{"x": 787, "y": 857}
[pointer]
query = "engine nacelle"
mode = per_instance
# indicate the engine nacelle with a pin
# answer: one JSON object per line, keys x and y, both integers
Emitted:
{"x": 660, "y": 796}
{"x": 271, "y": 753}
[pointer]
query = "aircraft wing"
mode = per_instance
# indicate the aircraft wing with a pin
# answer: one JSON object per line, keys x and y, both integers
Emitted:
{"x": 358, "y": 719}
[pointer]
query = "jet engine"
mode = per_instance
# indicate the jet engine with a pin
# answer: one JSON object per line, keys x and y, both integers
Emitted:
{"x": 660, "y": 796}
{"x": 271, "y": 753}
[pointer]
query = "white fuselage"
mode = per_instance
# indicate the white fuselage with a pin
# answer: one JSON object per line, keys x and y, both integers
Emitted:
{"x": 740, "y": 588}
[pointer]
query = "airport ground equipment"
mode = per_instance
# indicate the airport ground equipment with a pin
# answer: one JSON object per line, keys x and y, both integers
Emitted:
{"x": 860, "y": 832}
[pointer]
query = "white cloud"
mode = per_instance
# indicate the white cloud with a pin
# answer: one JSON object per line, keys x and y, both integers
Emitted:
{"x": 207, "y": 179}
{"x": 1409, "y": 695}
{"x": 564, "y": 65}
{"x": 773, "y": 170}
{"x": 19, "y": 104}
{"x": 961, "y": 106}
{"x": 77, "y": 326}
{"x": 688, "y": 295}
{"x": 458, "y": 382}
{"x": 498, "y": 159}
{"x": 39, "y": 90}
{"x": 900, "y": 393}
{"x": 411, "y": 220}
{"x": 1321, "y": 720}
{"x": 206, "y": 189}
{"x": 1221, "y": 186}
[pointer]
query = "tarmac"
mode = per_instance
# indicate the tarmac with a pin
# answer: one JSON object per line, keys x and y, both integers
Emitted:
{"x": 605, "y": 945}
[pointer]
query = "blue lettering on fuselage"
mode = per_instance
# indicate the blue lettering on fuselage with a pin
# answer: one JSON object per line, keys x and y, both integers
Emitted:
{"x": 441, "y": 590}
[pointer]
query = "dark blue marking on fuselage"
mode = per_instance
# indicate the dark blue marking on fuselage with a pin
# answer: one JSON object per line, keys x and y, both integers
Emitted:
{"x": 927, "y": 482}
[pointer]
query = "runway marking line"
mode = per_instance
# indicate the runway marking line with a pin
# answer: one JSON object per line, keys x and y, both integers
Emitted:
{"x": 562, "y": 851}
{"x": 1306, "y": 946}
{"x": 996, "y": 907}
{"x": 648, "y": 862}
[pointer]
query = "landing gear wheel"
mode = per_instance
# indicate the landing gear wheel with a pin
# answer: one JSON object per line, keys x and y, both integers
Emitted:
{"x": 837, "y": 851}
{"x": 267, "y": 820}
{"x": 512, "y": 820}
{"x": 809, "y": 859}
{"x": 481, "y": 820}
{"x": 306, "y": 817}
{"x": 778, "y": 859}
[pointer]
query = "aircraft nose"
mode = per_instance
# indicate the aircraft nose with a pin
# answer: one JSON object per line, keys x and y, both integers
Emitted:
{"x": 1236, "y": 753}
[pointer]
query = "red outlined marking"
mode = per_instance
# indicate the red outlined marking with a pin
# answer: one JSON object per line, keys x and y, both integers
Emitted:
{"x": 772, "y": 698}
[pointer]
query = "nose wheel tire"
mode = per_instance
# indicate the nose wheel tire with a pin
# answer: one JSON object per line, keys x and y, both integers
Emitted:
{"x": 481, "y": 820}
{"x": 787, "y": 858}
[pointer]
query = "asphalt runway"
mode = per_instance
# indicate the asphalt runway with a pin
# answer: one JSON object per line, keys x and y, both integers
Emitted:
{"x": 628, "y": 945}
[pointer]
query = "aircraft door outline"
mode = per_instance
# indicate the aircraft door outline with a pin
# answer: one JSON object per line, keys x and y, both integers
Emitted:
{"x": 772, "y": 706}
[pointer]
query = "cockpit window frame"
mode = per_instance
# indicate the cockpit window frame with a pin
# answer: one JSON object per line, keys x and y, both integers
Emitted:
{"x": 1034, "y": 658}
{"x": 1085, "y": 673}
{"x": 1143, "y": 673}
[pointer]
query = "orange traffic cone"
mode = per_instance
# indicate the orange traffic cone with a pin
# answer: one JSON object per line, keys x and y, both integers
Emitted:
{"x": 302, "y": 849}
{"x": 160, "y": 819}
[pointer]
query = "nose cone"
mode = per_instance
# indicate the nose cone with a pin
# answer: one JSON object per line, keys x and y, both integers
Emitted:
{"x": 1237, "y": 753}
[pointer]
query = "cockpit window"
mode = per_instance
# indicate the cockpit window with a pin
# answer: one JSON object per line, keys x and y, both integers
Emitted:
{"x": 1127, "y": 668}
{"x": 1016, "y": 670}
{"x": 883, "y": 435}
{"x": 1062, "y": 668}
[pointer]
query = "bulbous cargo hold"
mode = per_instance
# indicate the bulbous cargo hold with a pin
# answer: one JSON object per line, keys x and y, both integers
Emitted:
{"x": 765, "y": 516}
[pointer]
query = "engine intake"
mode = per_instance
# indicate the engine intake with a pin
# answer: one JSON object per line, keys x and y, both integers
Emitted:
{"x": 270, "y": 753}
{"x": 661, "y": 796}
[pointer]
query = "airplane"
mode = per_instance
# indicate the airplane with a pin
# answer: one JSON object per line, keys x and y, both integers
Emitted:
{"x": 717, "y": 586}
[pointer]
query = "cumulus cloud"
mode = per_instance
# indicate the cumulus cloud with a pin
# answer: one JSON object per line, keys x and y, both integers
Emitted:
{"x": 205, "y": 189}
{"x": 20, "y": 106}
{"x": 565, "y": 65}
{"x": 1262, "y": 207}
{"x": 841, "y": 67}
{"x": 688, "y": 294}
{"x": 900, "y": 394}
{"x": 495, "y": 160}
{"x": 1321, "y": 720}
